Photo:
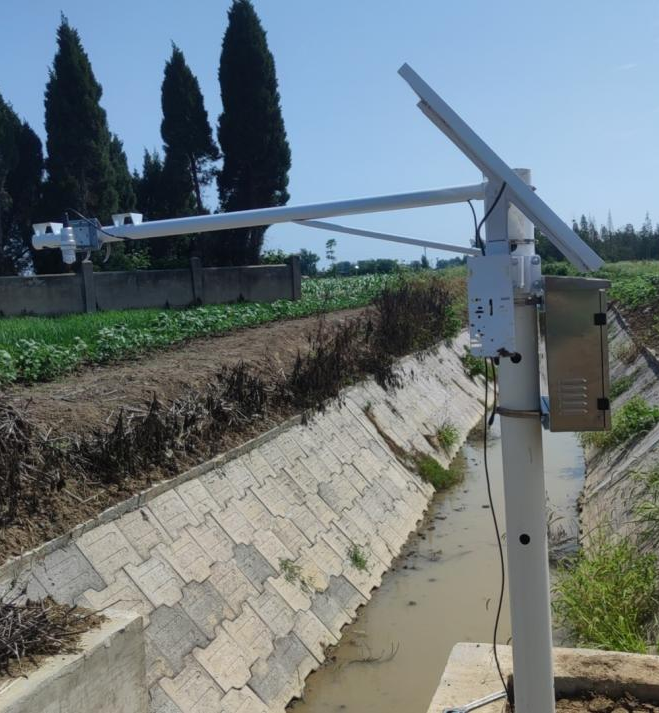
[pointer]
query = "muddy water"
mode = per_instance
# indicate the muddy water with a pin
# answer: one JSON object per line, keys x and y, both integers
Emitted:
{"x": 443, "y": 589}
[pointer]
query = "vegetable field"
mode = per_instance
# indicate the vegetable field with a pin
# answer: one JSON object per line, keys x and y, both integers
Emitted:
{"x": 42, "y": 348}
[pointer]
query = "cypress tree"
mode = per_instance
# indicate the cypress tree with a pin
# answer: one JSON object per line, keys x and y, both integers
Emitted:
{"x": 185, "y": 130}
{"x": 21, "y": 169}
{"x": 123, "y": 181}
{"x": 251, "y": 131}
{"x": 80, "y": 172}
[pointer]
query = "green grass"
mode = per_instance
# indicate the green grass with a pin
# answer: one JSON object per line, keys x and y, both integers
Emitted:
{"x": 646, "y": 508}
{"x": 358, "y": 558}
{"x": 632, "y": 419}
{"x": 621, "y": 385}
{"x": 43, "y": 348}
{"x": 607, "y": 597}
{"x": 434, "y": 473}
{"x": 447, "y": 436}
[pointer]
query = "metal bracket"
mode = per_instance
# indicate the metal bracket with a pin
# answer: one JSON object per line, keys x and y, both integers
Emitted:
{"x": 477, "y": 704}
{"x": 519, "y": 413}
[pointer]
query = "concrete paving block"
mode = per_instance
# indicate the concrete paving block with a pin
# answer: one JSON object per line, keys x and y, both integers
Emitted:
{"x": 193, "y": 690}
{"x": 307, "y": 522}
{"x": 220, "y": 487}
{"x": 160, "y": 702}
{"x": 107, "y": 550}
{"x": 281, "y": 676}
{"x": 66, "y": 573}
{"x": 236, "y": 525}
{"x": 391, "y": 537}
{"x": 199, "y": 499}
{"x": 223, "y": 660}
{"x": 186, "y": 557}
{"x": 290, "y": 535}
{"x": 20, "y": 584}
{"x": 330, "y": 613}
{"x": 231, "y": 583}
{"x": 271, "y": 547}
{"x": 254, "y": 565}
{"x": 242, "y": 701}
{"x": 122, "y": 594}
{"x": 213, "y": 540}
{"x": 355, "y": 478}
{"x": 158, "y": 580}
{"x": 345, "y": 594}
{"x": 274, "y": 611}
{"x": 321, "y": 510}
{"x": 172, "y": 632}
{"x": 313, "y": 634}
{"x": 157, "y": 663}
{"x": 343, "y": 447}
{"x": 296, "y": 591}
{"x": 318, "y": 466}
{"x": 274, "y": 455}
{"x": 303, "y": 477}
{"x": 171, "y": 512}
{"x": 338, "y": 494}
{"x": 254, "y": 511}
{"x": 289, "y": 447}
{"x": 206, "y": 606}
{"x": 316, "y": 578}
{"x": 325, "y": 556}
{"x": 273, "y": 498}
{"x": 259, "y": 466}
{"x": 239, "y": 475}
{"x": 143, "y": 531}
{"x": 251, "y": 633}
{"x": 290, "y": 489}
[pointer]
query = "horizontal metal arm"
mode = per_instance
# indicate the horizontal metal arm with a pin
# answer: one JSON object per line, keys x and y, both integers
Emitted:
{"x": 282, "y": 214}
{"x": 333, "y": 227}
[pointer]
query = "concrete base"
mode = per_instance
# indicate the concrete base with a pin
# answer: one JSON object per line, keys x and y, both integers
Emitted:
{"x": 108, "y": 675}
{"x": 471, "y": 674}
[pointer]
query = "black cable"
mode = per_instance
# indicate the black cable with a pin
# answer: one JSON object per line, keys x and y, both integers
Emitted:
{"x": 479, "y": 240}
{"x": 486, "y": 420}
{"x": 93, "y": 224}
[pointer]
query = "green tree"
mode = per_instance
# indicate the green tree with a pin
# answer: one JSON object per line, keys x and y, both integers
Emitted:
{"x": 185, "y": 129}
{"x": 308, "y": 262}
{"x": 156, "y": 200}
{"x": 21, "y": 170}
{"x": 251, "y": 132}
{"x": 123, "y": 181}
{"x": 330, "y": 250}
{"x": 79, "y": 165}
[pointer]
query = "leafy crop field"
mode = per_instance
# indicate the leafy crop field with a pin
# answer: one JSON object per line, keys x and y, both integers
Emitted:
{"x": 43, "y": 348}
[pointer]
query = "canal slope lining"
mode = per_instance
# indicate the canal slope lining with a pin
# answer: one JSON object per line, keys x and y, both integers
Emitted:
{"x": 611, "y": 489}
{"x": 241, "y": 568}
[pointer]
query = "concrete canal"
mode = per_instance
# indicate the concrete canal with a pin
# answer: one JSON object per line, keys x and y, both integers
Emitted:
{"x": 441, "y": 590}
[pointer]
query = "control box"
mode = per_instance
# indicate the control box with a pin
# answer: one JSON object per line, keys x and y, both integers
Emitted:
{"x": 577, "y": 354}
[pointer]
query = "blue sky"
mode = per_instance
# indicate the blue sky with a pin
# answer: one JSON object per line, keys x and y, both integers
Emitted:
{"x": 568, "y": 88}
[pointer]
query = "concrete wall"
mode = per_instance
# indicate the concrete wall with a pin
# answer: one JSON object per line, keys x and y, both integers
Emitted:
{"x": 106, "y": 676}
{"x": 611, "y": 491}
{"x": 90, "y": 291}
{"x": 241, "y": 567}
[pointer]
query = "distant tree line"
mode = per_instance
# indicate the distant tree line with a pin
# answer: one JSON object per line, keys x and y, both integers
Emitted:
{"x": 85, "y": 170}
{"x": 610, "y": 243}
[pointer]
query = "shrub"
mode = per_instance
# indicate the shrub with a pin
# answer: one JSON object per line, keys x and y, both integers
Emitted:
{"x": 619, "y": 386}
{"x": 475, "y": 366}
{"x": 447, "y": 436}
{"x": 633, "y": 419}
{"x": 606, "y": 597}
{"x": 434, "y": 473}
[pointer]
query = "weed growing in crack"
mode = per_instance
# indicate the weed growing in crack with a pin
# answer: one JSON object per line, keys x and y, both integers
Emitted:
{"x": 434, "y": 473}
{"x": 447, "y": 436}
{"x": 358, "y": 558}
{"x": 632, "y": 419}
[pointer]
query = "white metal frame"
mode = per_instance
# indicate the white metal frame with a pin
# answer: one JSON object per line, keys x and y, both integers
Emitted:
{"x": 509, "y": 231}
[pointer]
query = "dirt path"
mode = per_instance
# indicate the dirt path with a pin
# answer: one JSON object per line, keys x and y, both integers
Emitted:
{"x": 57, "y": 495}
{"x": 93, "y": 397}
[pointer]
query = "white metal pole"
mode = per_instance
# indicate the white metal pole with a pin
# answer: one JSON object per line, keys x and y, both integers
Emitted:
{"x": 524, "y": 487}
